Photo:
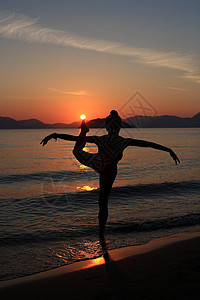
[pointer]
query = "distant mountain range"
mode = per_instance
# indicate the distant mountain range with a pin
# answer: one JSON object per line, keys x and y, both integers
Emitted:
{"x": 137, "y": 121}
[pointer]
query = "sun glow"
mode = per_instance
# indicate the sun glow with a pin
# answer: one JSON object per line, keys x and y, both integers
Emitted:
{"x": 83, "y": 117}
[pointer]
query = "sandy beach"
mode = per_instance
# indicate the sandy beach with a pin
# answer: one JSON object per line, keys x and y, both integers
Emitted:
{"x": 166, "y": 268}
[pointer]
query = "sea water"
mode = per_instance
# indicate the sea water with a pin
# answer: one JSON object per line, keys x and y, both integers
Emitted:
{"x": 49, "y": 201}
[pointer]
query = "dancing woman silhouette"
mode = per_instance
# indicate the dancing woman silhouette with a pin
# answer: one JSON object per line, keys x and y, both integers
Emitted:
{"x": 110, "y": 152}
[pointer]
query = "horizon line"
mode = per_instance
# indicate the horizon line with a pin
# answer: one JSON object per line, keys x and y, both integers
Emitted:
{"x": 96, "y": 118}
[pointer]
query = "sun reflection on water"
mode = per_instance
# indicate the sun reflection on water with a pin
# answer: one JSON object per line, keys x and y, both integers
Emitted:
{"x": 83, "y": 167}
{"x": 98, "y": 260}
{"x": 86, "y": 188}
{"x": 84, "y": 250}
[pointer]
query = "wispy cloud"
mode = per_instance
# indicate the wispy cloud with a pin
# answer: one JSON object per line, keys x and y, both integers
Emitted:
{"x": 74, "y": 93}
{"x": 21, "y": 27}
{"x": 176, "y": 88}
{"x": 192, "y": 76}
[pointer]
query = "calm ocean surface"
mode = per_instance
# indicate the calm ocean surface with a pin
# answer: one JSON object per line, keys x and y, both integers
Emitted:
{"x": 49, "y": 202}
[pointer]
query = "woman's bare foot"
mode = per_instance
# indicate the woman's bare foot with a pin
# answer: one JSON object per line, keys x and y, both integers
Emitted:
{"x": 84, "y": 128}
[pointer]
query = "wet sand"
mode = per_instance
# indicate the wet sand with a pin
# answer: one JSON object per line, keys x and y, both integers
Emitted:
{"x": 166, "y": 268}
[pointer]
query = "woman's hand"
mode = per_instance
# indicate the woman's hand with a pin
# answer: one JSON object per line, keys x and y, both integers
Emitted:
{"x": 173, "y": 155}
{"x": 47, "y": 138}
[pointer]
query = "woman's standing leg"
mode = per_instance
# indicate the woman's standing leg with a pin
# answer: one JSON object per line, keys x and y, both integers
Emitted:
{"x": 106, "y": 181}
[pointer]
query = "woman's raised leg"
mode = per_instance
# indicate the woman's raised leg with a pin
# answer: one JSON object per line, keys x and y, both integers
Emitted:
{"x": 80, "y": 143}
{"x": 82, "y": 156}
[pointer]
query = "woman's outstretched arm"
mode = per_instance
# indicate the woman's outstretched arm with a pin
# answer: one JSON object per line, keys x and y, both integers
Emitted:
{"x": 66, "y": 137}
{"x": 142, "y": 143}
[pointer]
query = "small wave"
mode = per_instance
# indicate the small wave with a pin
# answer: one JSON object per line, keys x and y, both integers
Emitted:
{"x": 75, "y": 232}
{"x": 46, "y": 236}
{"x": 165, "y": 223}
{"x": 156, "y": 189}
{"x": 122, "y": 193}
{"x": 140, "y": 190}
{"x": 38, "y": 176}
{"x": 118, "y": 194}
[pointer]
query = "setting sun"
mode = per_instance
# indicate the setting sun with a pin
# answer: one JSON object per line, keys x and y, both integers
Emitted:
{"x": 83, "y": 117}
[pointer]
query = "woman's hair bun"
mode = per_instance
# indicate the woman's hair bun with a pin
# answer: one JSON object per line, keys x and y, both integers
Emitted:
{"x": 113, "y": 120}
{"x": 114, "y": 113}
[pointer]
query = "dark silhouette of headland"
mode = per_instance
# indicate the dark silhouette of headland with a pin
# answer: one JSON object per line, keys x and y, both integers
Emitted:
{"x": 164, "y": 121}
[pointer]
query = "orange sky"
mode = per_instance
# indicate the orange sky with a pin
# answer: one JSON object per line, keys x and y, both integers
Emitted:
{"x": 57, "y": 64}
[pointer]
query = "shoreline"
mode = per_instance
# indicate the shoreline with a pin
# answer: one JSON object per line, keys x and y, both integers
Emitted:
{"x": 130, "y": 272}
